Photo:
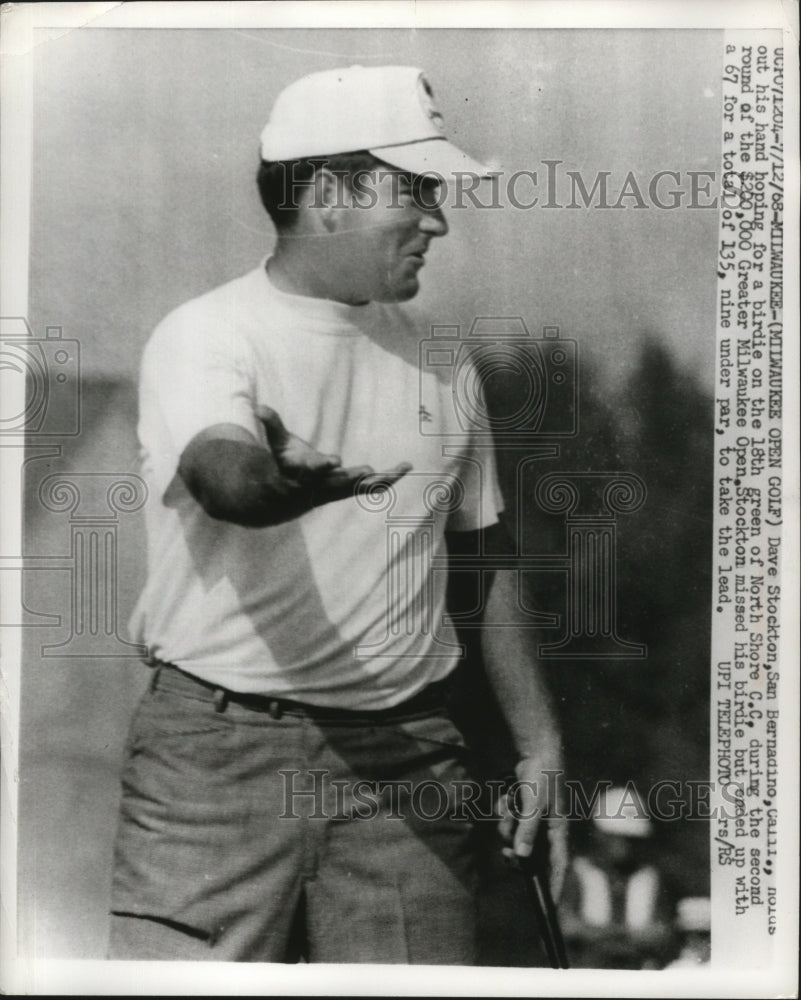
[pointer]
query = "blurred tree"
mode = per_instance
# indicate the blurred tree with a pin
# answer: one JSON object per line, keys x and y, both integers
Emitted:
{"x": 643, "y": 720}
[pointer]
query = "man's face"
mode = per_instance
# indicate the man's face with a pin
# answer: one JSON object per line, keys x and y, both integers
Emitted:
{"x": 384, "y": 222}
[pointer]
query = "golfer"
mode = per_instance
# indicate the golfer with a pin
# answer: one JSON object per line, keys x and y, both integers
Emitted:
{"x": 294, "y": 784}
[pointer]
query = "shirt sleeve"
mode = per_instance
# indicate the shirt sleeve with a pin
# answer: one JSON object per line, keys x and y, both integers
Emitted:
{"x": 482, "y": 501}
{"x": 193, "y": 377}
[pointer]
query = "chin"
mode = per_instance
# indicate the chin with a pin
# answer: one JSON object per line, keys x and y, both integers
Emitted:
{"x": 401, "y": 293}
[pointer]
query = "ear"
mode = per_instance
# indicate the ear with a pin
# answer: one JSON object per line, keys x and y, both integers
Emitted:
{"x": 330, "y": 193}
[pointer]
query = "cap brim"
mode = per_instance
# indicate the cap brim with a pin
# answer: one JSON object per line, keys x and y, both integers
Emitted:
{"x": 623, "y": 826}
{"x": 431, "y": 156}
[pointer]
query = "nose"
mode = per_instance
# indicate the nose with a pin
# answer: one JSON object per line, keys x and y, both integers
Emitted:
{"x": 433, "y": 222}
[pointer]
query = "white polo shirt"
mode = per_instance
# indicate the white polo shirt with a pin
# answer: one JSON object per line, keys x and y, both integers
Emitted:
{"x": 342, "y": 606}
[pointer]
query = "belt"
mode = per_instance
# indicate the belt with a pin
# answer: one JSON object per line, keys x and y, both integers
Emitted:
{"x": 168, "y": 677}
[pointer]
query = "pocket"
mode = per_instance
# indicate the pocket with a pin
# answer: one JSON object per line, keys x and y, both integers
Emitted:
{"x": 438, "y": 730}
{"x": 164, "y": 713}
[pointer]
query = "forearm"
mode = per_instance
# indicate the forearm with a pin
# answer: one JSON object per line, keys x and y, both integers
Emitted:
{"x": 240, "y": 482}
{"x": 234, "y": 478}
{"x": 516, "y": 678}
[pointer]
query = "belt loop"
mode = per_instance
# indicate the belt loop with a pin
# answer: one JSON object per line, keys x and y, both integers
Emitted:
{"x": 154, "y": 680}
{"x": 274, "y": 709}
{"x": 220, "y": 699}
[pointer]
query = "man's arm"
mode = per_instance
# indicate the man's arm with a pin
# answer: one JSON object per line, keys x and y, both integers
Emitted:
{"x": 515, "y": 677}
{"x": 235, "y": 478}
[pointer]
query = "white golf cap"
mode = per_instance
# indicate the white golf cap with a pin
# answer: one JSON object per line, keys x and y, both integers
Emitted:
{"x": 620, "y": 811}
{"x": 387, "y": 110}
{"x": 694, "y": 913}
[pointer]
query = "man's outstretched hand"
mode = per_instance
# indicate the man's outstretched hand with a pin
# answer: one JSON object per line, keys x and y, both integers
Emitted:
{"x": 322, "y": 477}
{"x": 236, "y": 479}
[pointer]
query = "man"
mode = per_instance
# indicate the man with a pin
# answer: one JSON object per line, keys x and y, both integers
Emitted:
{"x": 618, "y": 911}
{"x": 285, "y": 774}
